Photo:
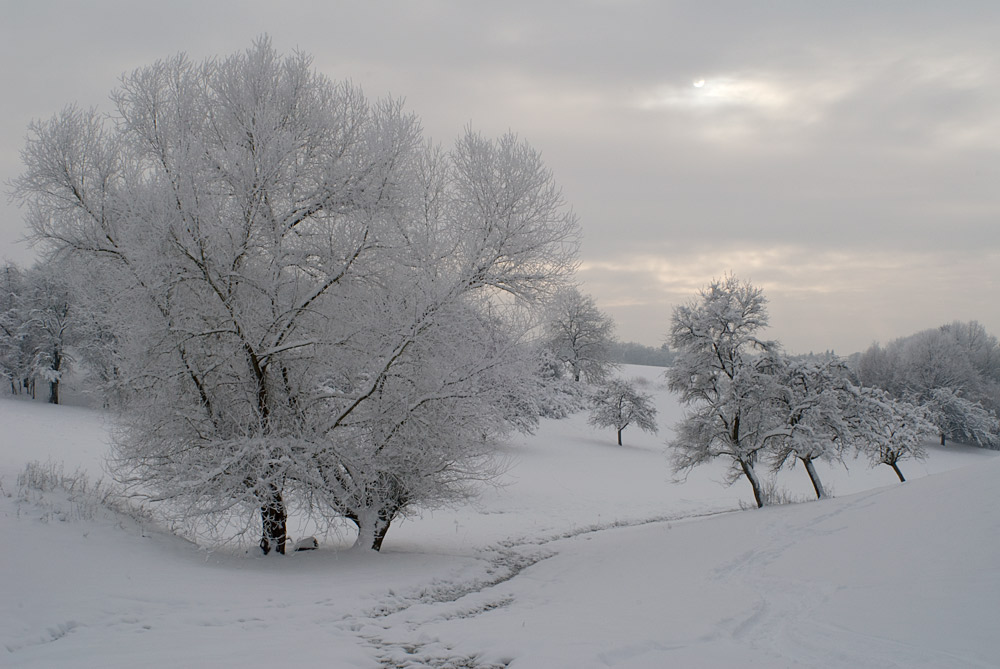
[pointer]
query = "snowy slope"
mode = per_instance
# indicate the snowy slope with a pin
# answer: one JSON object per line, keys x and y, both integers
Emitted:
{"x": 588, "y": 555}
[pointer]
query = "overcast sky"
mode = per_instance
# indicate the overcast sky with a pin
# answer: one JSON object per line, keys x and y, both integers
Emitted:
{"x": 844, "y": 156}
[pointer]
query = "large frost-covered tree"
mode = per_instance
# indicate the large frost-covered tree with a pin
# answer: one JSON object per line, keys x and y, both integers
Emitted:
{"x": 725, "y": 373}
{"x": 314, "y": 305}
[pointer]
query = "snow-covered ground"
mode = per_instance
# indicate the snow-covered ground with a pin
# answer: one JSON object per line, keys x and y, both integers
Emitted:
{"x": 588, "y": 555}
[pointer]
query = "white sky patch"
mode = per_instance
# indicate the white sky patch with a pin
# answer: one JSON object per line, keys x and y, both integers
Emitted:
{"x": 788, "y": 269}
{"x": 734, "y": 107}
{"x": 721, "y": 91}
{"x": 876, "y": 291}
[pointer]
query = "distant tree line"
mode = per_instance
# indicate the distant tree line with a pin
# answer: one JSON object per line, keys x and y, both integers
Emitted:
{"x": 953, "y": 371}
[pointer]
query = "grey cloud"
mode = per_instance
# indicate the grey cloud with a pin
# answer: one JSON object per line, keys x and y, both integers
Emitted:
{"x": 850, "y": 128}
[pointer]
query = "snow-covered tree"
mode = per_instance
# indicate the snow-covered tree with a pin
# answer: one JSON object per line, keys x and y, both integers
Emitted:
{"x": 813, "y": 399}
{"x": 888, "y": 430}
{"x": 37, "y": 327}
{"x": 951, "y": 371}
{"x": 49, "y": 326}
{"x": 580, "y": 335}
{"x": 962, "y": 419}
{"x": 724, "y": 372}
{"x": 98, "y": 343}
{"x": 314, "y": 306}
{"x": 556, "y": 395}
{"x": 618, "y": 403}
{"x": 15, "y": 353}
{"x": 982, "y": 350}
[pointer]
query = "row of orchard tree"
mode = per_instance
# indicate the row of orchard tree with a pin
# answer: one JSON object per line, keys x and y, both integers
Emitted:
{"x": 753, "y": 405}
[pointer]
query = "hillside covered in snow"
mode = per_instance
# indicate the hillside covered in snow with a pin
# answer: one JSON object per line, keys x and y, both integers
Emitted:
{"x": 586, "y": 554}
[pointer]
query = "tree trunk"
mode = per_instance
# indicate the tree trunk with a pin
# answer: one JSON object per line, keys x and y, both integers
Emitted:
{"x": 895, "y": 468}
{"x": 758, "y": 493}
{"x": 380, "y": 531}
{"x": 54, "y": 384}
{"x": 619, "y": 437}
{"x": 942, "y": 438}
{"x": 372, "y": 528}
{"x": 274, "y": 519}
{"x": 814, "y": 477}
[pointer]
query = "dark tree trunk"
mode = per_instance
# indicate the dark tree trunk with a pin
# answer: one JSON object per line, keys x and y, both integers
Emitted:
{"x": 380, "y": 531}
{"x": 54, "y": 384}
{"x": 895, "y": 468}
{"x": 274, "y": 519}
{"x": 751, "y": 474}
{"x": 619, "y": 437}
{"x": 942, "y": 438}
{"x": 814, "y": 477}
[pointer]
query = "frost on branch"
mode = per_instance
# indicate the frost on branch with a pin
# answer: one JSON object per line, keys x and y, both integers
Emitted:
{"x": 888, "y": 430}
{"x": 724, "y": 372}
{"x": 618, "y": 404}
{"x": 579, "y": 335}
{"x": 314, "y": 308}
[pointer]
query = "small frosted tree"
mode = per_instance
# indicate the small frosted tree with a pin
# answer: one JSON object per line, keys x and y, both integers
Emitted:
{"x": 963, "y": 419}
{"x": 888, "y": 430}
{"x": 50, "y": 318}
{"x": 618, "y": 404}
{"x": 725, "y": 373}
{"x": 813, "y": 399}
{"x": 38, "y": 327}
{"x": 580, "y": 335}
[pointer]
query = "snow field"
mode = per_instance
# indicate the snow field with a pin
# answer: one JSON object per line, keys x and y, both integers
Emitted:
{"x": 586, "y": 555}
